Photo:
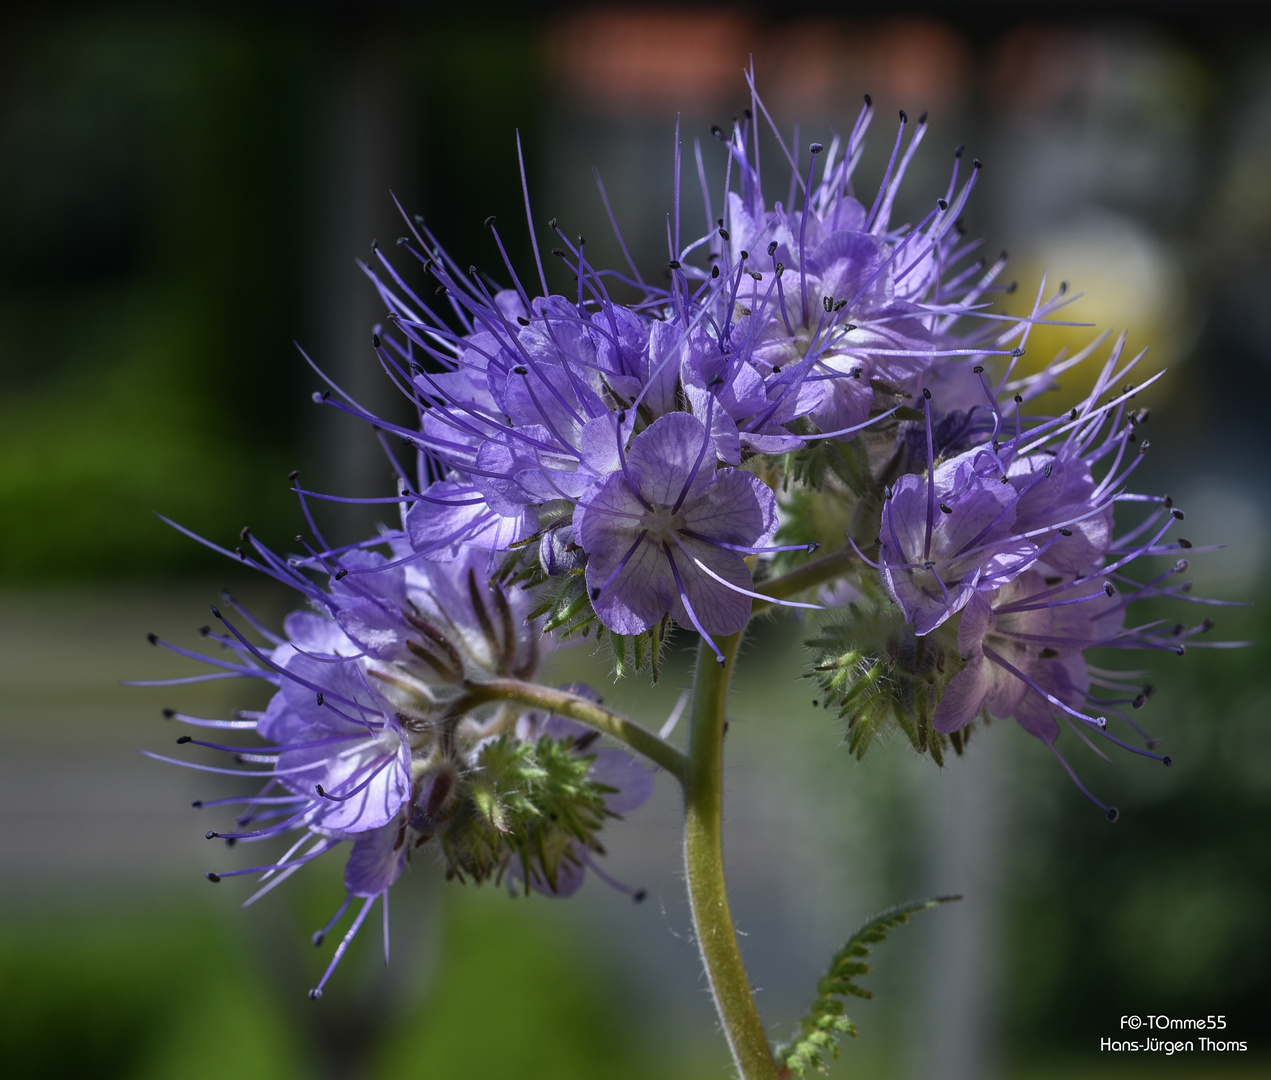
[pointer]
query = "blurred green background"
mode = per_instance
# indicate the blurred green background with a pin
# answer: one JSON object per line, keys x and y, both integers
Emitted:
{"x": 182, "y": 196}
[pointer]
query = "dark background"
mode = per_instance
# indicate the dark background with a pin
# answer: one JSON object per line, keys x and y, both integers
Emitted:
{"x": 183, "y": 193}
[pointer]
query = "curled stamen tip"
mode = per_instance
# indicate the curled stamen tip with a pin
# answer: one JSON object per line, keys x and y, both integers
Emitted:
{"x": 315, "y": 994}
{"x": 214, "y": 878}
{"x": 1113, "y": 813}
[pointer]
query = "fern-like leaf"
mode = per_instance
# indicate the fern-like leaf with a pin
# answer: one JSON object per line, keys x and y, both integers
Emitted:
{"x": 819, "y": 1031}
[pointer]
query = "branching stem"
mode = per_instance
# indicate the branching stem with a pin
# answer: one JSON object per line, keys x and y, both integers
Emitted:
{"x": 563, "y": 703}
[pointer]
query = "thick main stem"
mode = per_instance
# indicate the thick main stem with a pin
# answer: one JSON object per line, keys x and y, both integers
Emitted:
{"x": 704, "y": 865}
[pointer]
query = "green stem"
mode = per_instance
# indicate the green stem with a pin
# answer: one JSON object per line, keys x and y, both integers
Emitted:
{"x": 563, "y": 703}
{"x": 806, "y": 576}
{"x": 704, "y": 865}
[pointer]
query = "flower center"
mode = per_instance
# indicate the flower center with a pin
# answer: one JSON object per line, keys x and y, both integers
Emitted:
{"x": 661, "y": 523}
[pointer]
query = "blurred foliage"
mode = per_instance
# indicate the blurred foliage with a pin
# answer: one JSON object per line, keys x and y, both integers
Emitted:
{"x": 150, "y": 226}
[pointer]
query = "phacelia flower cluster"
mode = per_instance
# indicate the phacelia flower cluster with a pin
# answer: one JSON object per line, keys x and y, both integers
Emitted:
{"x": 584, "y": 461}
{"x": 373, "y": 735}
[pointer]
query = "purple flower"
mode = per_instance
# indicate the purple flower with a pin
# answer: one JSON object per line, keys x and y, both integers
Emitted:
{"x": 366, "y": 738}
{"x": 667, "y": 532}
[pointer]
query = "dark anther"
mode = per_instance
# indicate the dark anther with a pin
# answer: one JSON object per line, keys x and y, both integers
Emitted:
{"x": 977, "y": 164}
{"x": 815, "y": 148}
{"x": 827, "y": 302}
{"x": 723, "y": 232}
{"x": 168, "y": 714}
{"x": 1167, "y": 761}
{"x": 559, "y": 252}
{"x": 401, "y": 240}
{"x": 674, "y": 264}
{"x": 1176, "y": 514}
{"x": 717, "y": 131}
{"x": 622, "y": 416}
{"x": 1141, "y": 417}
{"x": 846, "y": 328}
{"x": 715, "y": 271}
{"x": 294, "y": 475}
{"x": 776, "y": 369}
{"x": 887, "y": 492}
{"x": 375, "y": 245}
{"x": 1019, "y": 399}
{"x": 1073, "y": 414}
{"x": 315, "y": 994}
{"x": 781, "y": 269}
{"x": 978, "y": 369}
{"x": 903, "y": 118}
{"x": 321, "y": 699}
{"x": 1063, "y": 287}
{"x": 240, "y": 553}
{"x": 153, "y": 638}
{"x": 1139, "y": 701}
{"x": 197, "y": 804}
{"x": 720, "y": 222}
{"x": 182, "y": 740}
{"x": 1048, "y": 653}
{"x": 204, "y": 631}
{"x": 211, "y": 834}
{"x": 1010, "y": 289}
{"x": 521, "y": 369}
{"x": 1065, "y": 532}
{"x": 595, "y": 593}
{"x": 1184, "y": 543}
{"x": 945, "y": 509}
{"x": 1132, "y": 438}
{"x": 440, "y": 290}
{"x": 744, "y": 254}
{"x": 1113, "y": 813}
{"x": 639, "y": 896}
{"x": 551, "y": 223}
{"x": 928, "y": 565}
{"x": 216, "y": 613}
{"x": 321, "y": 791}
{"x": 957, "y": 152}
{"x": 1109, "y": 589}
{"x": 772, "y": 249}
{"x": 1169, "y": 501}
{"x": 582, "y": 240}
{"x": 245, "y": 532}
{"x": 926, "y": 393}
{"x": 342, "y": 573}
{"x": 868, "y": 101}
{"x": 943, "y": 204}
{"x": 756, "y": 275}
{"x": 747, "y": 114}
{"x": 213, "y": 878}
{"x": 923, "y": 118}
{"x": 1048, "y": 470}
{"x": 489, "y": 222}
{"x": 1003, "y": 256}
{"x": 326, "y": 395}
{"x": 839, "y": 305}
{"x": 375, "y": 341}
{"x": 523, "y": 320}
{"x": 1206, "y": 625}
{"x": 815, "y": 703}
{"x": 1182, "y": 566}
